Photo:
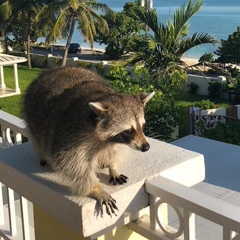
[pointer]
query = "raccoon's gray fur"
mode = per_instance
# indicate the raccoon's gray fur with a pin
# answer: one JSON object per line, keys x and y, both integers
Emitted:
{"x": 77, "y": 122}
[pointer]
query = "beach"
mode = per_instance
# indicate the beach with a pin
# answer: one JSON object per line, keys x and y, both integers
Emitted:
{"x": 190, "y": 61}
{"x": 218, "y": 18}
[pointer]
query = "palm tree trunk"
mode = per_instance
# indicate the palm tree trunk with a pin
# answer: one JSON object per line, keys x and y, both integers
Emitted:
{"x": 6, "y": 42}
{"x": 29, "y": 41}
{"x": 64, "y": 60}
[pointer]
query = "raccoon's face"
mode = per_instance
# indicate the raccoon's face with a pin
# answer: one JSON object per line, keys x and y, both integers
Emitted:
{"x": 132, "y": 135}
{"x": 121, "y": 120}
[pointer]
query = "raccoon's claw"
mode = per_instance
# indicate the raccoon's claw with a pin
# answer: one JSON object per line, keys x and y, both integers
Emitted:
{"x": 110, "y": 205}
{"x": 121, "y": 179}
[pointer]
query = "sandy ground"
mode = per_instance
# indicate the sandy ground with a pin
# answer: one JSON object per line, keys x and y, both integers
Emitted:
{"x": 190, "y": 61}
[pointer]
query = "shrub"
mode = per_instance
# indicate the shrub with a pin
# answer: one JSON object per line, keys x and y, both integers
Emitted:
{"x": 192, "y": 88}
{"x": 86, "y": 65}
{"x": 205, "y": 104}
{"x": 224, "y": 132}
{"x": 214, "y": 89}
{"x": 100, "y": 68}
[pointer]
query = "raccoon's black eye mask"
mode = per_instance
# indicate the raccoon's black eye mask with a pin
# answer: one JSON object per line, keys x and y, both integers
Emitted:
{"x": 125, "y": 136}
{"x": 128, "y": 133}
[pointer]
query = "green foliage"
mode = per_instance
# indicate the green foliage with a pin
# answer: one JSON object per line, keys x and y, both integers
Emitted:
{"x": 161, "y": 117}
{"x": 205, "y": 104}
{"x": 225, "y": 132}
{"x": 207, "y": 57}
{"x": 214, "y": 89}
{"x": 192, "y": 88}
{"x": 229, "y": 51}
{"x": 124, "y": 33}
{"x": 86, "y": 65}
{"x": 100, "y": 68}
{"x": 163, "y": 50}
{"x": 172, "y": 85}
{"x": 58, "y": 61}
{"x": 233, "y": 89}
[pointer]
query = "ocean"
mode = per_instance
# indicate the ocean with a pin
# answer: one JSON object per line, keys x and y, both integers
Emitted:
{"x": 219, "y": 18}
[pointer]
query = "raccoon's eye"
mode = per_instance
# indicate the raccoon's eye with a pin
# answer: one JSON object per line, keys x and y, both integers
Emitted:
{"x": 128, "y": 132}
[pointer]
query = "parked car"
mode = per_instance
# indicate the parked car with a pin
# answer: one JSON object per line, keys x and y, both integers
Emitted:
{"x": 74, "y": 48}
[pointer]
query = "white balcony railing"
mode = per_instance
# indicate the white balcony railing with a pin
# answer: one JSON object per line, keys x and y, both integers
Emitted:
{"x": 12, "y": 130}
{"x": 16, "y": 221}
{"x": 187, "y": 203}
{"x": 14, "y": 209}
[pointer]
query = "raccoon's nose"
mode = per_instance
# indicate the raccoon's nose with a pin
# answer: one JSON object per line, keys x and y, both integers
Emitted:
{"x": 145, "y": 147}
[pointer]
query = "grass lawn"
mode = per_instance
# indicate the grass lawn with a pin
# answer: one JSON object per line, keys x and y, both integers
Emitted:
{"x": 12, "y": 104}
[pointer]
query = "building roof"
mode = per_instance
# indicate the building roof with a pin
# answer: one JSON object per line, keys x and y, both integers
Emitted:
{"x": 9, "y": 59}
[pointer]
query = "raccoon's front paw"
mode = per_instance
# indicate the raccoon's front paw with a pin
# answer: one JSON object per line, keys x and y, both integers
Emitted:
{"x": 121, "y": 179}
{"x": 109, "y": 202}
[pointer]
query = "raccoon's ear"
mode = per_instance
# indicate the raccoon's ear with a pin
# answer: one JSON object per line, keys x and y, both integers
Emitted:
{"x": 145, "y": 97}
{"x": 99, "y": 108}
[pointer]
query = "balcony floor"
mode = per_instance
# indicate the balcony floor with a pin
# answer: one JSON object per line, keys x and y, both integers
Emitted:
{"x": 222, "y": 180}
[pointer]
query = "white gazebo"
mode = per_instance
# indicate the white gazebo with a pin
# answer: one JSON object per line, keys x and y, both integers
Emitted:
{"x": 6, "y": 60}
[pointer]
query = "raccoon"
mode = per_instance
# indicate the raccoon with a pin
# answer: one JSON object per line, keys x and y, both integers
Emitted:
{"x": 77, "y": 123}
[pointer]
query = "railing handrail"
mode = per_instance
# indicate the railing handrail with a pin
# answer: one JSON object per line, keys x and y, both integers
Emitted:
{"x": 13, "y": 122}
{"x": 208, "y": 207}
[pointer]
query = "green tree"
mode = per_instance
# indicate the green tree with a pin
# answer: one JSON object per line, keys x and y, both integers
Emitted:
{"x": 67, "y": 13}
{"x": 5, "y": 21}
{"x": 124, "y": 33}
{"x": 21, "y": 22}
{"x": 229, "y": 50}
{"x": 169, "y": 40}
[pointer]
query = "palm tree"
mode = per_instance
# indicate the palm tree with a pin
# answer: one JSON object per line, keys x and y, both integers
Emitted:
{"x": 12, "y": 12}
{"x": 169, "y": 41}
{"x": 67, "y": 13}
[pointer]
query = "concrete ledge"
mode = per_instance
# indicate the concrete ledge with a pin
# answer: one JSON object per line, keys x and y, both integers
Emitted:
{"x": 21, "y": 171}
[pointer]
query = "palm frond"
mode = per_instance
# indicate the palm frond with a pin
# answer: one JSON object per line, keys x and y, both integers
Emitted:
{"x": 148, "y": 17}
{"x": 182, "y": 16}
{"x": 53, "y": 8}
{"x": 86, "y": 26}
{"x": 196, "y": 40}
{"x": 61, "y": 27}
{"x": 5, "y": 11}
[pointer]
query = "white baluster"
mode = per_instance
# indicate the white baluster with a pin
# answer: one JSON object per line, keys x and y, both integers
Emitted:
{"x": 189, "y": 225}
{"x": 4, "y": 137}
{"x": 25, "y": 218}
{"x": 8, "y": 137}
{"x": 1, "y": 205}
{"x": 153, "y": 223}
{"x": 17, "y": 138}
{"x": 12, "y": 212}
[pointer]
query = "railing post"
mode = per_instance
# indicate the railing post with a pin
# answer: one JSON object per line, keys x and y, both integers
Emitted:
{"x": 3, "y": 85}
{"x": 17, "y": 89}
